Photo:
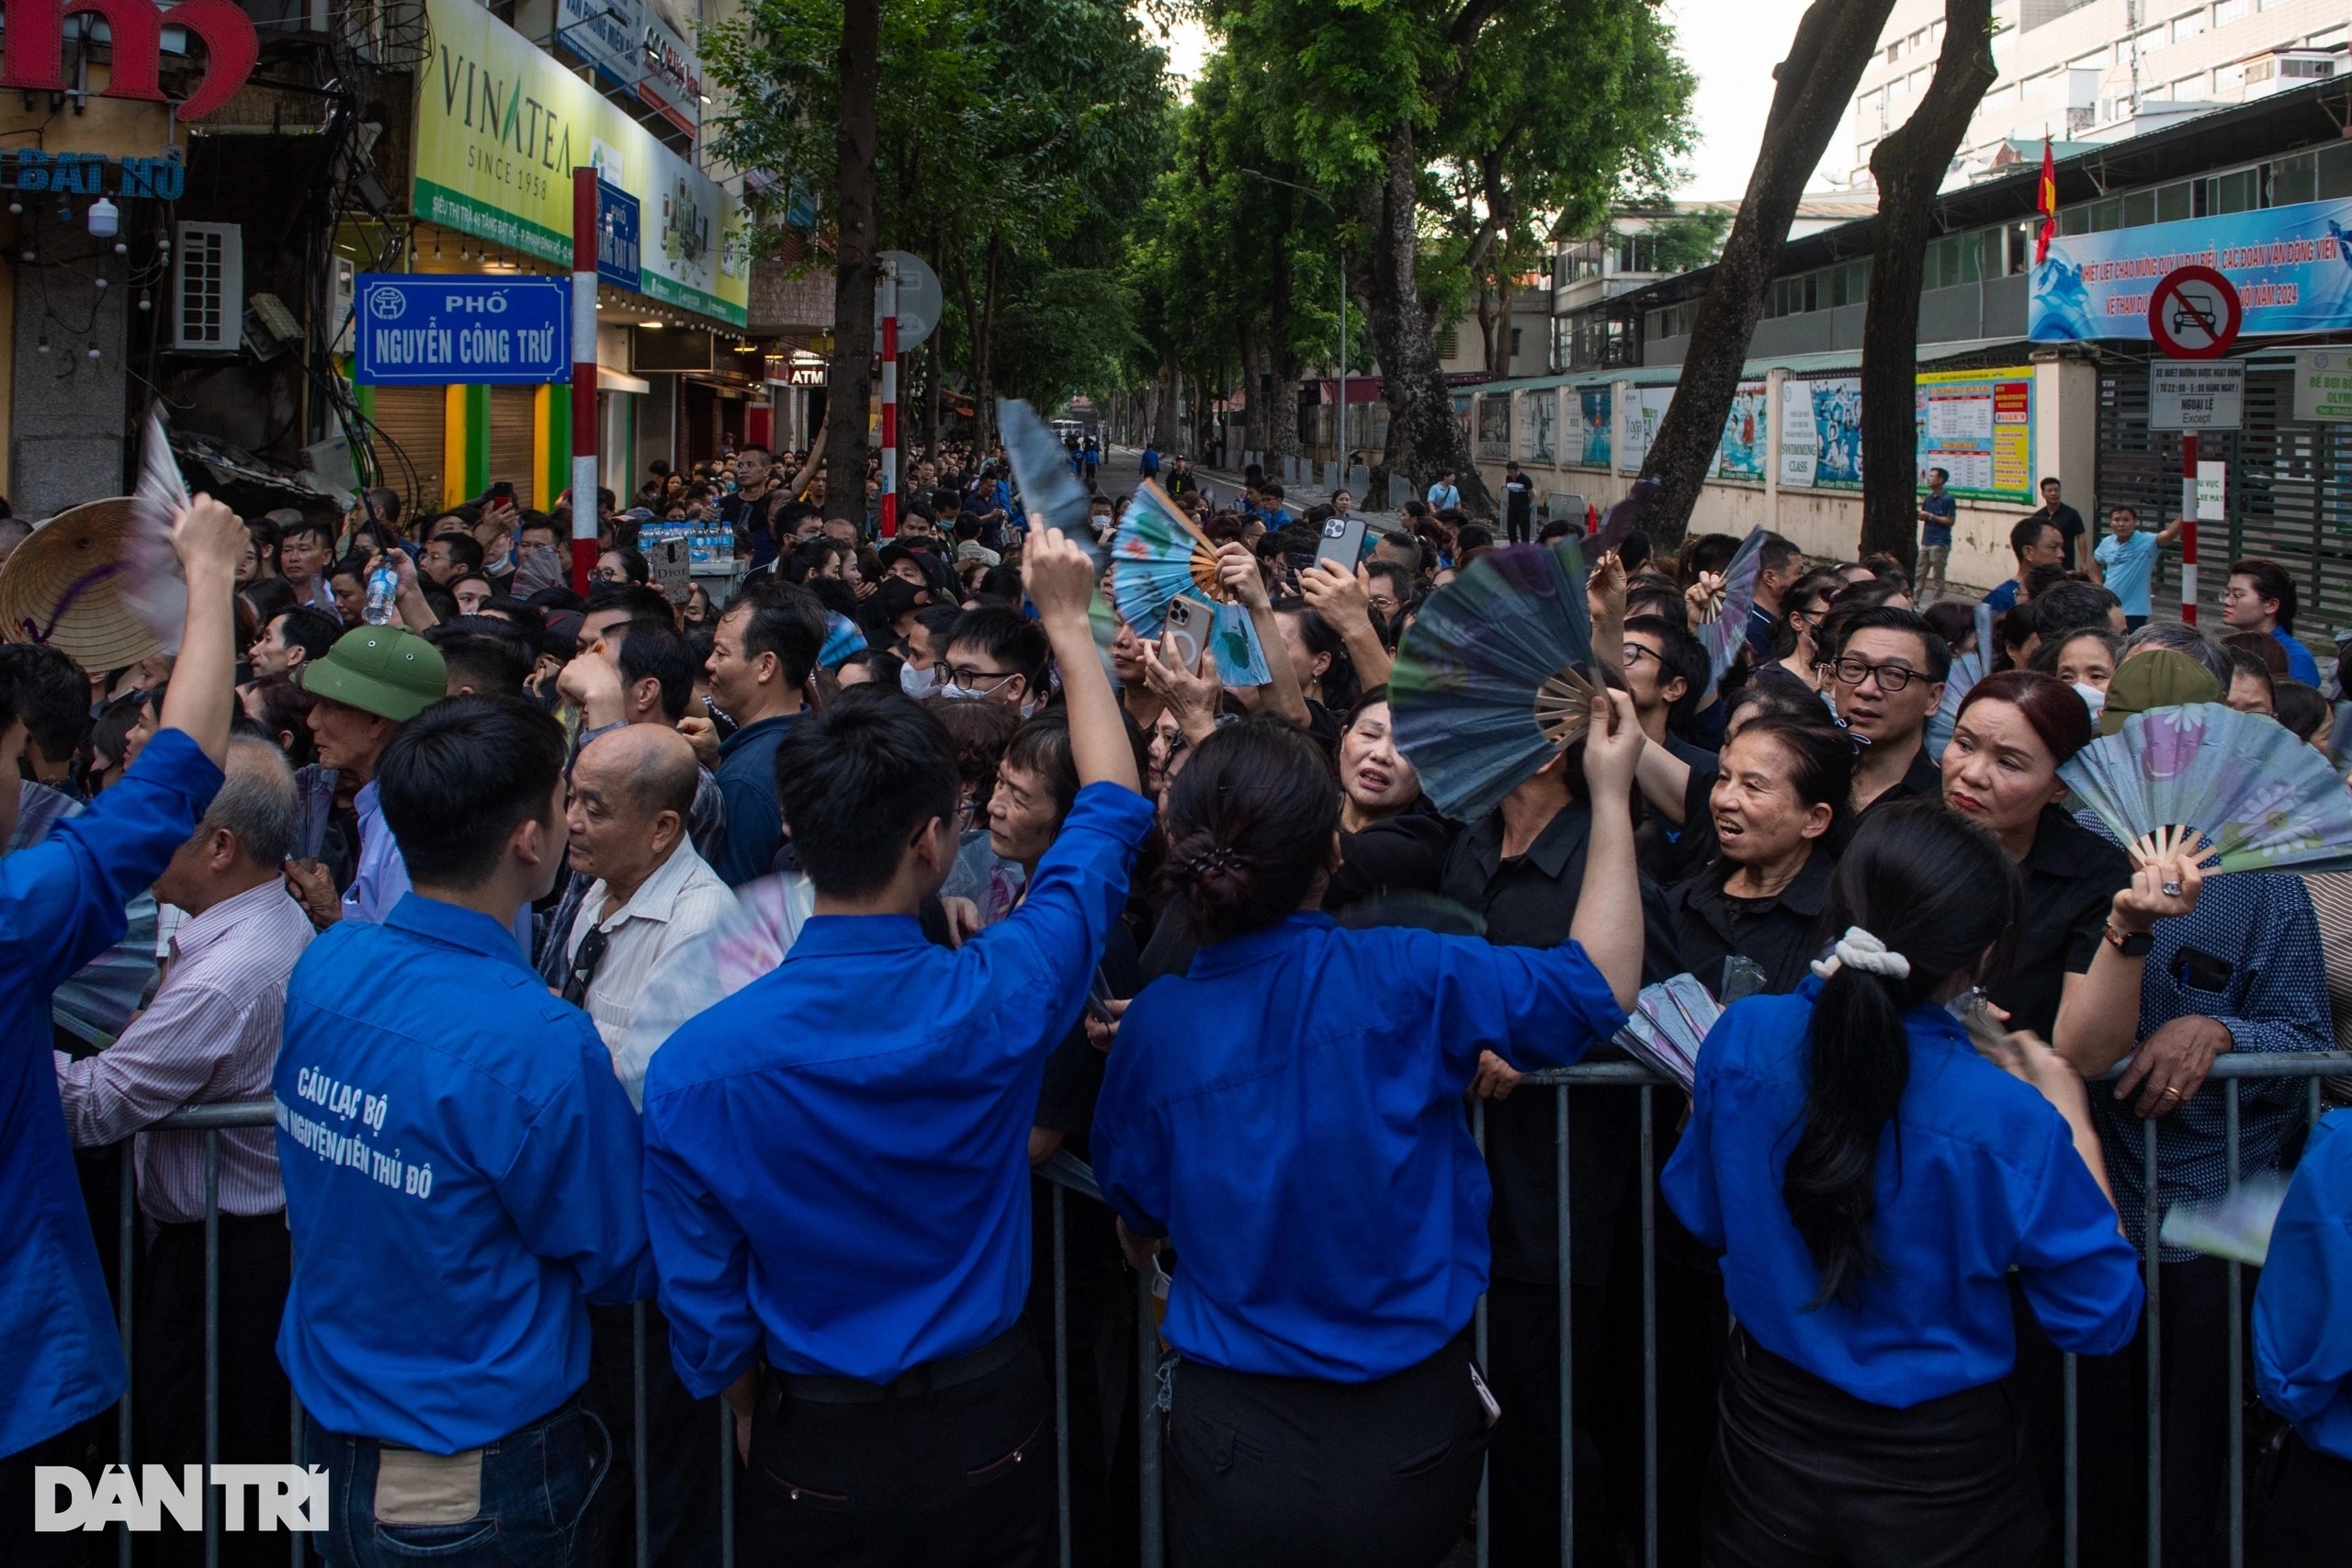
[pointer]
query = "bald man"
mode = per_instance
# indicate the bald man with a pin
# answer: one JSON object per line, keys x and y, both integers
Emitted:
{"x": 632, "y": 794}
{"x": 632, "y": 791}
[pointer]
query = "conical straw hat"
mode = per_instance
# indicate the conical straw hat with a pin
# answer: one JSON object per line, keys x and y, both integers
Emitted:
{"x": 60, "y": 587}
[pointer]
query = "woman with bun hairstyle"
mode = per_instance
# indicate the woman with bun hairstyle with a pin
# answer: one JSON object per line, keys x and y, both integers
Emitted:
{"x": 1290, "y": 1116}
{"x": 1870, "y": 1180}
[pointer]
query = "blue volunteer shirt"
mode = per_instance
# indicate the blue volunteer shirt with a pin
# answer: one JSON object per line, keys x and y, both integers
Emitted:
{"x": 2127, "y": 567}
{"x": 1290, "y": 1113}
{"x": 836, "y": 1157}
{"x": 462, "y": 1177}
{"x": 2300, "y": 665}
{"x": 1976, "y": 1176}
{"x": 2302, "y": 1309}
{"x": 61, "y": 905}
{"x": 381, "y": 879}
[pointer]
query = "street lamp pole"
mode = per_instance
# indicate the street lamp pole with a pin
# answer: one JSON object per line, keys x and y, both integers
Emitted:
{"x": 1339, "y": 434}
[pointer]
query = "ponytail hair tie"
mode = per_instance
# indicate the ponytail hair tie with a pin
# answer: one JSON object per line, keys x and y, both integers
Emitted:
{"x": 1860, "y": 950}
{"x": 1208, "y": 861}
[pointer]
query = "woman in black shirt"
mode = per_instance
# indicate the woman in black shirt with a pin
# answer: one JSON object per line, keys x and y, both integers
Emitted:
{"x": 1391, "y": 839}
{"x": 2015, "y": 730}
{"x": 1774, "y": 807}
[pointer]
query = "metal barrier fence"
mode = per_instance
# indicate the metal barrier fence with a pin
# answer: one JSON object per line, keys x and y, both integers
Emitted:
{"x": 1068, "y": 1175}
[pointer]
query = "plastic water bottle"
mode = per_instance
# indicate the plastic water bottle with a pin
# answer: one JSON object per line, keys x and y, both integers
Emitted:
{"x": 383, "y": 587}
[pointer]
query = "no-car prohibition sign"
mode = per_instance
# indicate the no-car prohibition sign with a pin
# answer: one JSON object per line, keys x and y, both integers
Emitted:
{"x": 2195, "y": 313}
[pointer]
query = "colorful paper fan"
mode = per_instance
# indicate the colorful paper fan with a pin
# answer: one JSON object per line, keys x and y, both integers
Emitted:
{"x": 2262, "y": 799}
{"x": 1041, "y": 469}
{"x": 1492, "y": 678}
{"x": 1967, "y": 669}
{"x": 1619, "y": 520}
{"x": 1157, "y": 556}
{"x": 1669, "y": 1022}
{"x": 842, "y": 639}
{"x": 1723, "y": 636}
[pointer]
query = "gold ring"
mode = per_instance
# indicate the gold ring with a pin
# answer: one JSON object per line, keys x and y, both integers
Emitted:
{"x": 2172, "y": 1094}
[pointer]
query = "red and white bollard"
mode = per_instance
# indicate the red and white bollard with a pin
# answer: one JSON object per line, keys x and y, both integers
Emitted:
{"x": 583, "y": 377}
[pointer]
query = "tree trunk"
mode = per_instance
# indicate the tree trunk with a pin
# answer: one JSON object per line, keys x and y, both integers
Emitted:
{"x": 1423, "y": 436}
{"x": 983, "y": 387}
{"x": 849, "y": 377}
{"x": 1835, "y": 40}
{"x": 1253, "y": 398}
{"x": 1168, "y": 401}
{"x": 1909, "y": 166}
{"x": 1494, "y": 325}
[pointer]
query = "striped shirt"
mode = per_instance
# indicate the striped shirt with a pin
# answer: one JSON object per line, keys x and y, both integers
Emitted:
{"x": 211, "y": 1035}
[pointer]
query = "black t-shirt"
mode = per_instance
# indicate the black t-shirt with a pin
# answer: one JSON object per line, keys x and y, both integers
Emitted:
{"x": 2071, "y": 876}
{"x": 1404, "y": 853}
{"x": 2069, "y": 523}
{"x": 1780, "y": 933}
{"x": 1531, "y": 902}
{"x": 1519, "y": 498}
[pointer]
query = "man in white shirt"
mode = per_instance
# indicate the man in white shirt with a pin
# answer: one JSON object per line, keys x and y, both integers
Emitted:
{"x": 632, "y": 791}
{"x": 211, "y": 1035}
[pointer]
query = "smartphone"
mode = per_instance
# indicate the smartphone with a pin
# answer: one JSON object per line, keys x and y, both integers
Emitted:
{"x": 1189, "y": 621}
{"x": 2201, "y": 971}
{"x": 1342, "y": 545}
{"x": 503, "y": 491}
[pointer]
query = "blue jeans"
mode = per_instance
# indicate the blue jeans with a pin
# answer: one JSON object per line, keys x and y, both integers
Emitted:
{"x": 537, "y": 1485}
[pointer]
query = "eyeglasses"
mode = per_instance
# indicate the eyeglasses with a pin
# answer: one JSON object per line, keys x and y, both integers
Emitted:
{"x": 1635, "y": 652}
{"x": 1892, "y": 678}
{"x": 983, "y": 681}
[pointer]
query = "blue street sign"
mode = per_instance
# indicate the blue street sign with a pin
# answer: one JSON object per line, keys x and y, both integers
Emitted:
{"x": 617, "y": 238}
{"x": 436, "y": 329}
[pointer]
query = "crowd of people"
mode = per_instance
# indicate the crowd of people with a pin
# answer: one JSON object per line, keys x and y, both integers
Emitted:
{"x": 667, "y": 1002}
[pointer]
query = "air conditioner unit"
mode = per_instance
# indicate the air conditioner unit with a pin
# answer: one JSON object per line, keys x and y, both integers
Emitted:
{"x": 209, "y": 283}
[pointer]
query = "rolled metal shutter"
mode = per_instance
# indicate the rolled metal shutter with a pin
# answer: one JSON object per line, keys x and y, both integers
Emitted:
{"x": 513, "y": 422}
{"x": 411, "y": 432}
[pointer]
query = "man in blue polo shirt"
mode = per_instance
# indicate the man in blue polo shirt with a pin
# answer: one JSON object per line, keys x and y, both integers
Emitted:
{"x": 462, "y": 1175}
{"x": 837, "y": 1179}
{"x": 62, "y": 904}
{"x": 1937, "y": 511}
{"x": 762, "y": 652}
{"x": 2125, "y": 563}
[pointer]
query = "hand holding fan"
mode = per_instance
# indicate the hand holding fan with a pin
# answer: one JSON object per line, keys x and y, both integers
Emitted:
{"x": 1158, "y": 555}
{"x": 1723, "y": 636}
{"x": 2260, "y": 798}
{"x": 1040, "y": 467}
{"x": 1669, "y": 1022}
{"x": 151, "y": 584}
{"x": 1493, "y": 677}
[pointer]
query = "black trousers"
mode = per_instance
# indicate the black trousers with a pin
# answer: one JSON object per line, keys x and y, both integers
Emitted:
{"x": 1805, "y": 1475}
{"x": 1521, "y": 530}
{"x": 683, "y": 1446}
{"x": 954, "y": 1477}
{"x": 167, "y": 1336}
{"x": 1297, "y": 1472}
{"x": 2113, "y": 1405}
{"x": 2303, "y": 1507}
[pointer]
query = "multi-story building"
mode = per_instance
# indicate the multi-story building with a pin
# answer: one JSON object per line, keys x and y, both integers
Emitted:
{"x": 2092, "y": 70}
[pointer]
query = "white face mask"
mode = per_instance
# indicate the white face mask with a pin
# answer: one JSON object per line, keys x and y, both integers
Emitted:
{"x": 960, "y": 694}
{"x": 2093, "y": 698}
{"x": 921, "y": 684}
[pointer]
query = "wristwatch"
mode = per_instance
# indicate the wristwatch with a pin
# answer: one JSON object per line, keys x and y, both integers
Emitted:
{"x": 2131, "y": 945}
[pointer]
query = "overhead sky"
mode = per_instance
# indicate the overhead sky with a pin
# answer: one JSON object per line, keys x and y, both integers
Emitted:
{"x": 1731, "y": 45}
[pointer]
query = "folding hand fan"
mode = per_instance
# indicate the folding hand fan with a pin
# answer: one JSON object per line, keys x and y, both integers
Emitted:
{"x": 1158, "y": 555}
{"x": 842, "y": 639}
{"x": 1493, "y": 677}
{"x": 151, "y": 584}
{"x": 1617, "y": 521}
{"x": 1040, "y": 467}
{"x": 2237, "y": 1226}
{"x": 2261, "y": 799}
{"x": 1669, "y": 1022}
{"x": 1723, "y": 636}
